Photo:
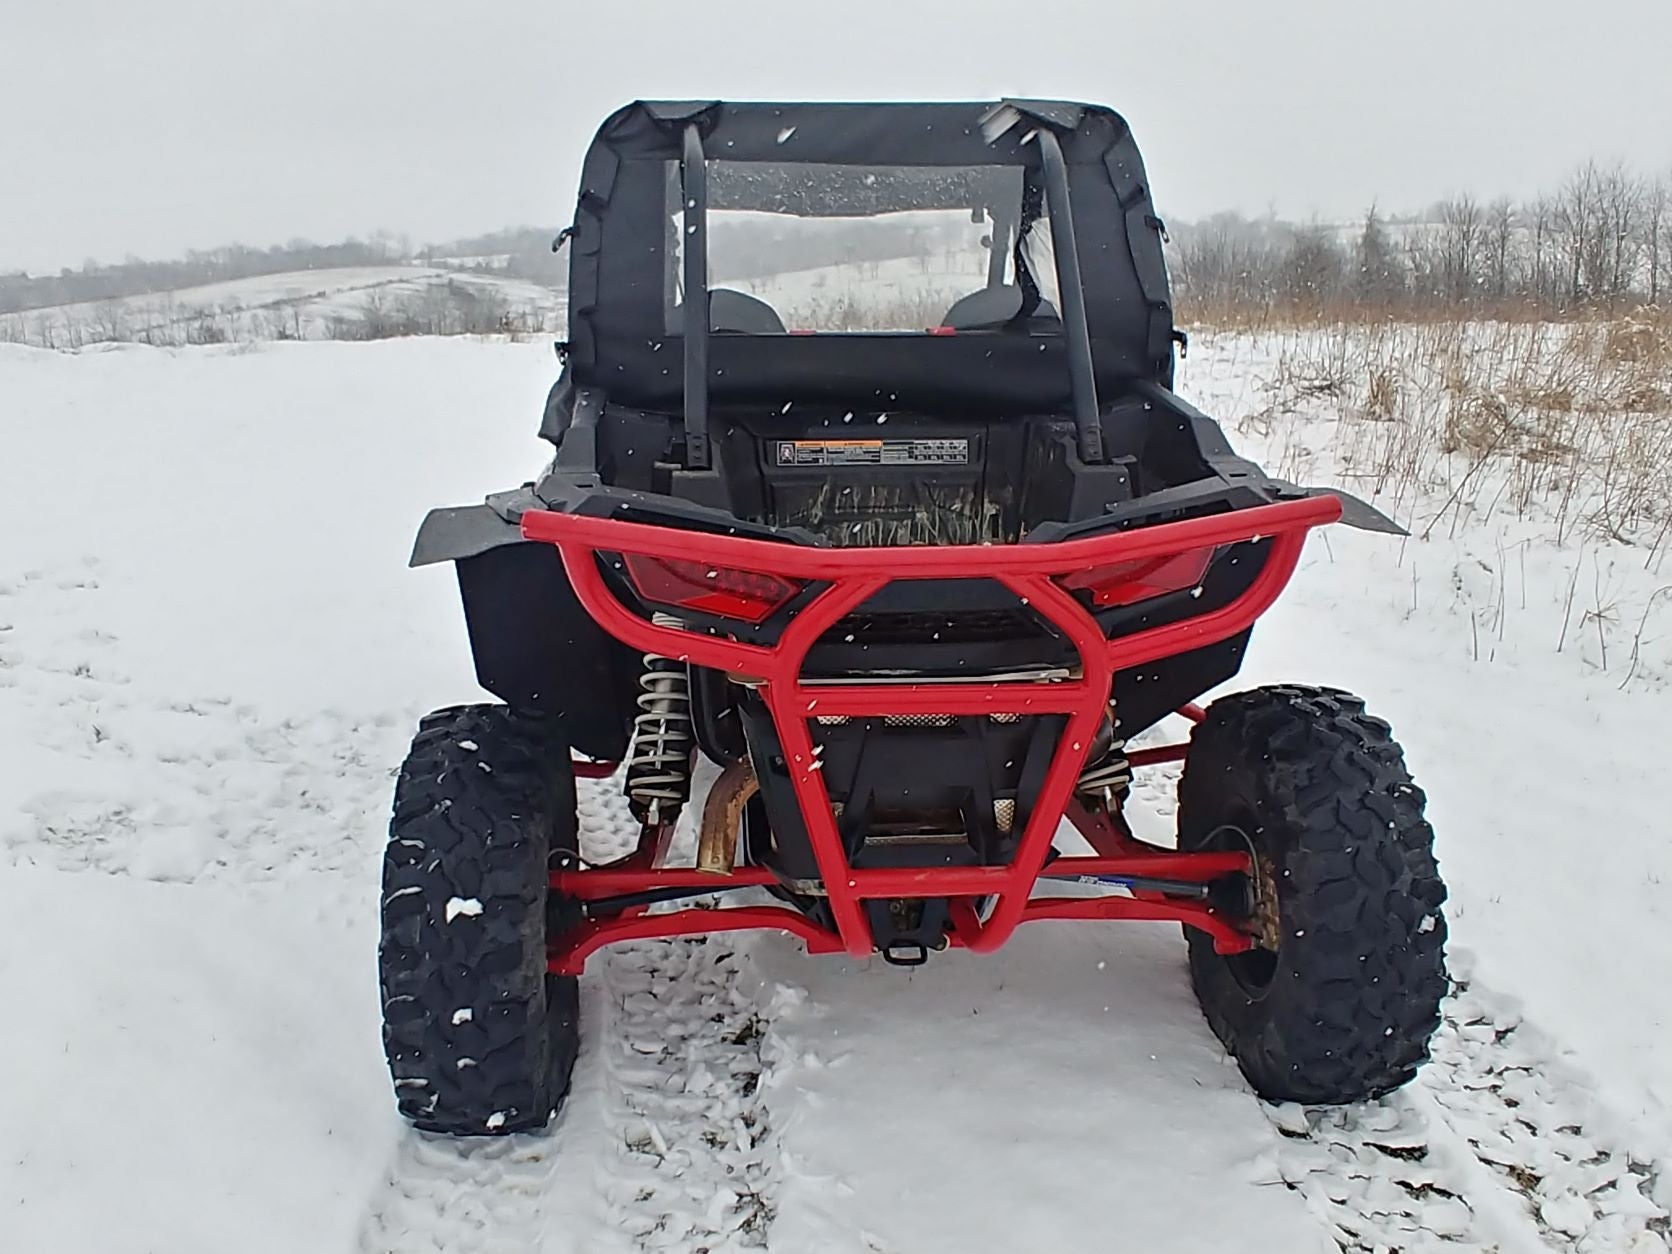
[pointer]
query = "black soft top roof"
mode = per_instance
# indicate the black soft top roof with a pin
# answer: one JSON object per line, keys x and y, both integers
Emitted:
{"x": 619, "y": 338}
{"x": 848, "y": 132}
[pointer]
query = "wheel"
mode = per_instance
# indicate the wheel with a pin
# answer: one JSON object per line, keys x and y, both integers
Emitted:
{"x": 1339, "y": 998}
{"x": 480, "y": 1039}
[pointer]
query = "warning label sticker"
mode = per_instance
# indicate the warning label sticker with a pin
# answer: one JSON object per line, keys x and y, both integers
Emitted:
{"x": 872, "y": 452}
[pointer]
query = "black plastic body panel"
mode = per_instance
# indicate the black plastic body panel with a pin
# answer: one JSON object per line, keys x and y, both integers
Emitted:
{"x": 891, "y": 778}
{"x": 536, "y": 649}
{"x": 714, "y": 716}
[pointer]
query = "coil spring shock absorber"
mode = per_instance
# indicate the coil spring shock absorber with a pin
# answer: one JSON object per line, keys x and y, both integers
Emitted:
{"x": 658, "y": 778}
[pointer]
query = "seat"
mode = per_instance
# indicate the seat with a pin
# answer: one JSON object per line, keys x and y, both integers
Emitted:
{"x": 730, "y": 310}
{"x": 992, "y": 308}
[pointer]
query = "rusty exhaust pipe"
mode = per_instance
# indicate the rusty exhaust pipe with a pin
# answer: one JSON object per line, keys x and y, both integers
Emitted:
{"x": 722, "y": 818}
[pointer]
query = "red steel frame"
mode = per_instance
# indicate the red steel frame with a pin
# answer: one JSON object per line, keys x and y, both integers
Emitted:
{"x": 850, "y": 577}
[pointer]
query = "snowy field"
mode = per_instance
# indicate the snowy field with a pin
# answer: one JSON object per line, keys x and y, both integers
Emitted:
{"x": 899, "y": 294}
{"x": 298, "y": 305}
{"x": 211, "y": 657}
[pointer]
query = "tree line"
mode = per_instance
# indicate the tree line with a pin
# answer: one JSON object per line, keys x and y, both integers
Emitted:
{"x": 98, "y": 281}
{"x": 1602, "y": 239}
{"x": 516, "y": 252}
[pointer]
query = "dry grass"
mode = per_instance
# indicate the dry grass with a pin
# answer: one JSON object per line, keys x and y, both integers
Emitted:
{"x": 1566, "y": 422}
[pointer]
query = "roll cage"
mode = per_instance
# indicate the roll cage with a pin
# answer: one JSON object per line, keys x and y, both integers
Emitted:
{"x": 693, "y": 172}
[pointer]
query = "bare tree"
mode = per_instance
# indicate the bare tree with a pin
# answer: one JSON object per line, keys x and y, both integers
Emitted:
{"x": 1657, "y": 233}
{"x": 1577, "y": 221}
{"x": 1462, "y": 237}
{"x": 109, "y": 323}
{"x": 1499, "y": 231}
{"x": 1542, "y": 283}
{"x": 1620, "y": 202}
{"x": 1227, "y": 265}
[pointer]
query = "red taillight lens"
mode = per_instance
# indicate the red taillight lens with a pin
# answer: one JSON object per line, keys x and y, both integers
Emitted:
{"x": 746, "y": 594}
{"x": 1126, "y": 583}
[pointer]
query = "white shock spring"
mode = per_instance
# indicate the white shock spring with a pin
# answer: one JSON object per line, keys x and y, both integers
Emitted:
{"x": 658, "y": 779}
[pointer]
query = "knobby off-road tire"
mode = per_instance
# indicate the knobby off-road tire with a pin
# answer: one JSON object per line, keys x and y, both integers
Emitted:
{"x": 1343, "y": 1008}
{"x": 480, "y": 1039}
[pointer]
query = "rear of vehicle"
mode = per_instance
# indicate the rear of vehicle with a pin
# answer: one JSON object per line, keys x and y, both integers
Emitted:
{"x": 871, "y": 488}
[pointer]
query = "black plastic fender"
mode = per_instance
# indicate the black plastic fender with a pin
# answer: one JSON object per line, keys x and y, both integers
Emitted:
{"x": 534, "y": 646}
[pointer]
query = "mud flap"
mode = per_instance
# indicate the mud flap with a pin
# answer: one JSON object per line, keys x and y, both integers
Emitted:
{"x": 1359, "y": 513}
{"x": 459, "y": 531}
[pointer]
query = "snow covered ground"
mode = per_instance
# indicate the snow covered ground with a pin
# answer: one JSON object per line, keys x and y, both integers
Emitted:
{"x": 211, "y": 655}
{"x": 298, "y": 305}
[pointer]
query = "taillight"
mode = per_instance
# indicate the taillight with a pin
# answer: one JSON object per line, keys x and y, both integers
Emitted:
{"x": 1126, "y": 583}
{"x": 746, "y": 594}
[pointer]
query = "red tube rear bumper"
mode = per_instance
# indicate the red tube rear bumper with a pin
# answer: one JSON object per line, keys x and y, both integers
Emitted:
{"x": 853, "y": 575}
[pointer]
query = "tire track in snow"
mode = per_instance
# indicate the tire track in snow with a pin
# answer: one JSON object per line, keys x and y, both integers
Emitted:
{"x": 463, "y": 1196}
{"x": 687, "y": 1160}
{"x": 491, "y": 1194}
{"x": 1496, "y": 1147}
{"x": 691, "y": 1163}
{"x": 664, "y": 1118}
{"x": 1493, "y": 1148}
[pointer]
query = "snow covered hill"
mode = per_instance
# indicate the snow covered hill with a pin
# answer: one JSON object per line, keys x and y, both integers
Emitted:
{"x": 299, "y": 305}
{"x": 211, "y": 656}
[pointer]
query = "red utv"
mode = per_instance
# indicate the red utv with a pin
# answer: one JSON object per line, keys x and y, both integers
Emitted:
{"x": 870, "y": 487}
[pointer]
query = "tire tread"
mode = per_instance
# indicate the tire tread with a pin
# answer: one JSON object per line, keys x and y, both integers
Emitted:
{"x": 1361, "y": 967}
{"x": 483, "y": 804}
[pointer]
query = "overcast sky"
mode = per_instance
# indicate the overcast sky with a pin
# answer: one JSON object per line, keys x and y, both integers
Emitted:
{"x": 150, "y": 126}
